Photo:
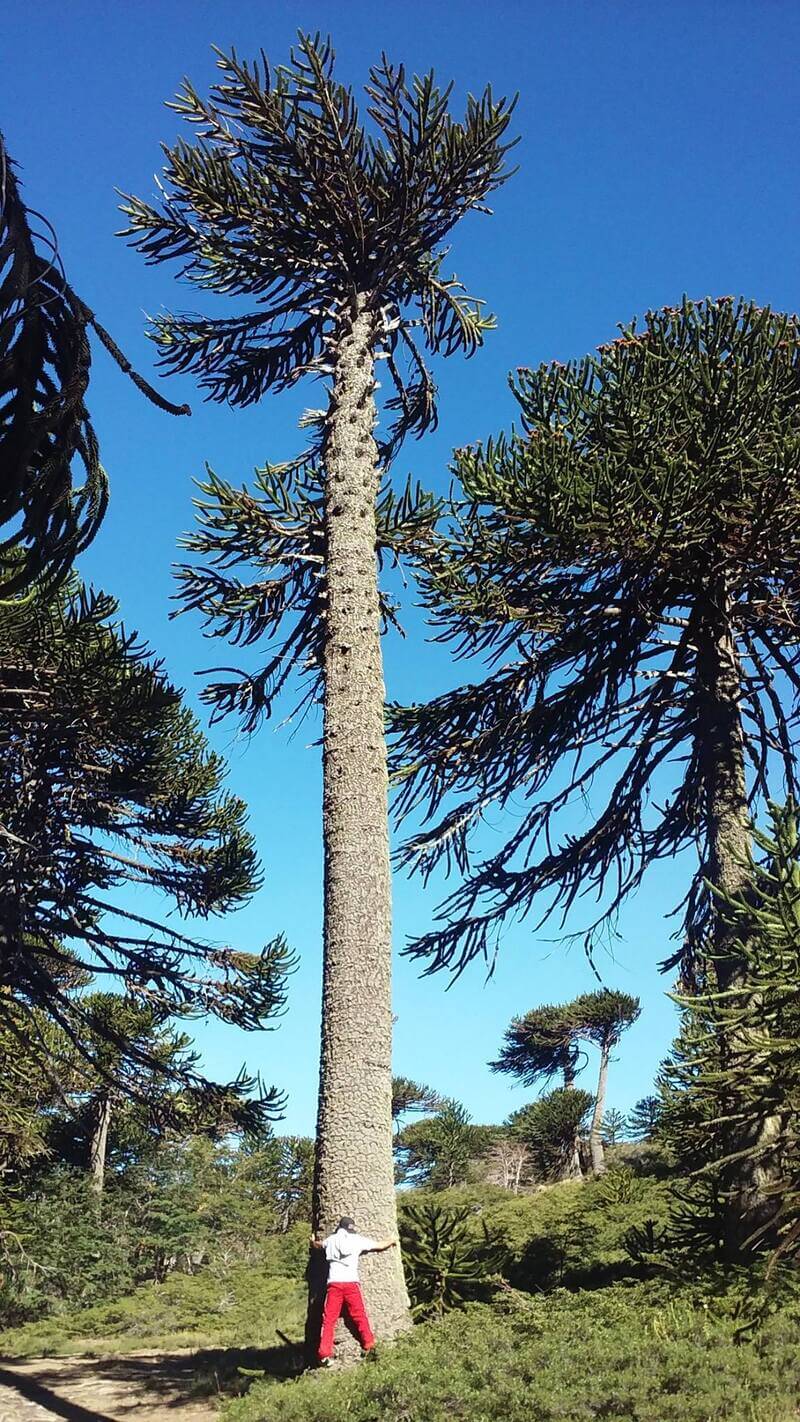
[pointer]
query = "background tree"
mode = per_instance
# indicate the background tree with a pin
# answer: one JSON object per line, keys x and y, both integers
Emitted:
{"x": 601, "y": 1018}
{"x": 614, "y": 1127}
{"x": 550, "y": 1128}
{"x": 48, "y": 513}
{"x": 546, "y": 1041}
{"x": 439, "y": 1151}
{"x": 643, "y": 1118}
{"x": 121, "y": 1038}
{"x": 629, "y": 560}
{"x": 106, "y": 784}
{"x": 539, "y": 1046}
{"x": 334, "y": 233}
{"x": 410, "y": 1097}
{"x": 508, "y": 1162}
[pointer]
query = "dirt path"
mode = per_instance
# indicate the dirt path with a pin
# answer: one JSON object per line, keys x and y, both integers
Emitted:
{"x": 142, "y": 1387}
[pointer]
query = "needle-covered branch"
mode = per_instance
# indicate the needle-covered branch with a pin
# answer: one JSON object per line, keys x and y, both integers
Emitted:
{"x": 616, "y": 562}
{"x": 107, "y": 786}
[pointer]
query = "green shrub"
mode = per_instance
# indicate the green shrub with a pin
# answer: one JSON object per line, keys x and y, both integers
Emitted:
{"x": 240, "y": 1307}
{"x": 448, "y": 1260}
{"x": 58, "y": 1251}
{"x": 627, "y": 1352}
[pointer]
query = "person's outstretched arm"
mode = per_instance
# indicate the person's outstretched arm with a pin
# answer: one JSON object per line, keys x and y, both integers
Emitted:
{"x": 317, "y": 1243}
{"x": 380, "y": 1245}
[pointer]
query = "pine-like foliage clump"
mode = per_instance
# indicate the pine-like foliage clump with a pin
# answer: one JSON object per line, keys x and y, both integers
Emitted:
{"x": 109, "y": 796}
{"x": 731, "y": 1092}
{"x": 448, "y": 1261}
{"x": 628, "y": 561}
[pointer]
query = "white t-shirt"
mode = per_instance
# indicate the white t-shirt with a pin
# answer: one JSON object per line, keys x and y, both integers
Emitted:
{"x": 343, "y": 1251}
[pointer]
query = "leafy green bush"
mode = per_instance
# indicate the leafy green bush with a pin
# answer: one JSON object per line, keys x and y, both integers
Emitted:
{"x": 572, "y": 1234}
{"x": 627, "y": 1352}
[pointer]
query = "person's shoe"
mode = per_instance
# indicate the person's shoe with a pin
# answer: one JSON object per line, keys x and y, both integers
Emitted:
{"x": 326, "y": 1362}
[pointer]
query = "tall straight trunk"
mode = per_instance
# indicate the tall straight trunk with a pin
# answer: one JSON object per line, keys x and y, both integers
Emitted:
{"x": 98, "y": 1145}
{"x": 750, "y": 1203}
{"x": 354, "y": 1173}
{"x": 595, "y": 1133}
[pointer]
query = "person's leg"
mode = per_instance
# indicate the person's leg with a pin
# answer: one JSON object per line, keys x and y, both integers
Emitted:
{"x": 334, "y": 1298}
{"x": 357, "y": 1314}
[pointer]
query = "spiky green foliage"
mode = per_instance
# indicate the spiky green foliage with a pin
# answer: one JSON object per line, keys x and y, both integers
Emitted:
{"x": 448, "y": 1262}
{"x": 437, "y": 1152}
{"x": 539, "y": 1046}
{"x": 550, "y": 1128}
{"x": 412, "y": 1096}
{"x": 262, "y": 577}
{"x": 108, "y": 791}
{"x": 644, "y": 1117}
{"x": 602, "y": 1017}
{"x": 286, "y": 197}
{"x": 48, "y": 511}
{"x": 731, "y": 1094}
{"x": 628, "y": 561}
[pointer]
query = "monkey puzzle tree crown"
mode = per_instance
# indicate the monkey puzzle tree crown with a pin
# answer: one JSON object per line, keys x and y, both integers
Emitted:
{"x": 287, "y": 197}
{"x": 540, "y": 1045}
{"x": 629, "y": 560}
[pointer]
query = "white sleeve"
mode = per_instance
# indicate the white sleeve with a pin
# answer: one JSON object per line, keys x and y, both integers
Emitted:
{"x": 365, "y": 1243}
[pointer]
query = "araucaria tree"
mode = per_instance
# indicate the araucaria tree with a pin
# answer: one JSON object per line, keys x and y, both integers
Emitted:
{"x": 731, "y": 1092}
{"x": 110, "y": 800}
{"x": 333, "y": 230}
{"x": 547, "y": 1040}
{"x": 630, "y": 558}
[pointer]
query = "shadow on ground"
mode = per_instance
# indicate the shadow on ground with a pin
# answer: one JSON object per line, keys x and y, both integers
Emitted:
{"x": 32, "y": 1391}
{"x": 148, "y": 1385}
{"x": 230, "y": 1371}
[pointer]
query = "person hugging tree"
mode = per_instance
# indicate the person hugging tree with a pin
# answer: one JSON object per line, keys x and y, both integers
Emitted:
{"x": 343, "y": 1249}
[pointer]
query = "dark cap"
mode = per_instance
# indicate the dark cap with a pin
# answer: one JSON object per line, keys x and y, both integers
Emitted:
{"x": 346, "y": 1223}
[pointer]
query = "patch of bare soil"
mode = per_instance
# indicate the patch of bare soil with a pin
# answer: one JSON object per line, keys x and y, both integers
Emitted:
{"x": 142, "y": 1387}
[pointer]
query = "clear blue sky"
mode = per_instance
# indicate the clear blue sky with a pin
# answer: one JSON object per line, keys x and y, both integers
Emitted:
{"x": 658, "y": 155}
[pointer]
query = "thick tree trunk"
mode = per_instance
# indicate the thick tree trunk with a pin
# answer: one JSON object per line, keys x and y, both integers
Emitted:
{"x": 722, "y": 751}
{"x": 595, "y": 1133}
{"x": 99, "y": 1142}
{"x": 354, "y": 1172}
{"x": 728, "y": 830}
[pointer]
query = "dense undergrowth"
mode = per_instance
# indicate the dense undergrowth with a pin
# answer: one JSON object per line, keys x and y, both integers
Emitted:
{"x": 632, "y": 1352}
{"x": 582, "y": 1322}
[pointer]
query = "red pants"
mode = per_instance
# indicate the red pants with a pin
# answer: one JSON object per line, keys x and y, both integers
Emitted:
{"x": 347, "y": 1297}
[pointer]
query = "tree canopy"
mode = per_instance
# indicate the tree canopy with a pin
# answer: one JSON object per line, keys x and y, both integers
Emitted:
{"x": 287, "y": 196}
{"x": 628, "y": 562}
{"x": 107, "y": 787}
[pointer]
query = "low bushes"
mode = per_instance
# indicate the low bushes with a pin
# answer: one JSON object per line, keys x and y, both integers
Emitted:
{"x": 631, "y": 1351}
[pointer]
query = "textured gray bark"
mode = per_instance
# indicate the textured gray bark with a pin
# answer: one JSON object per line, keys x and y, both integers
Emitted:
{"x": 595, "y": 1133}
{"x": 354, "y": 1164}
{"x": 99, "y": 1143}
{"x": 751, "y": 1200}
{"x": 723, "y": 754}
